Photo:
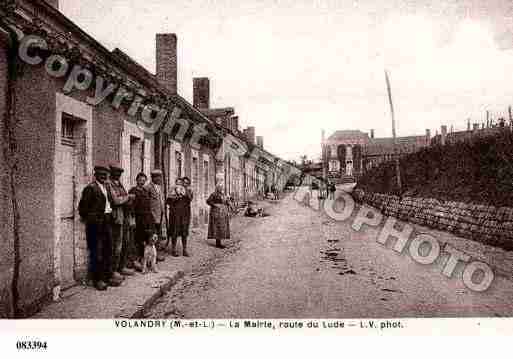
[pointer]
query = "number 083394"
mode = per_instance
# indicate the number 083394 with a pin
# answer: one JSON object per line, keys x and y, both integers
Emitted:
{"x": 31, "y": 345}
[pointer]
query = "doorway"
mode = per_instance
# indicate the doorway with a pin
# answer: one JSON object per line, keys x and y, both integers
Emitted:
{"x": 71, "y": 163}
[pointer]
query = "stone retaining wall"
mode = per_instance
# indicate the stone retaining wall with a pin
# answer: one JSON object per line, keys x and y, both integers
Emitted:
{"x": 486, "y": 224}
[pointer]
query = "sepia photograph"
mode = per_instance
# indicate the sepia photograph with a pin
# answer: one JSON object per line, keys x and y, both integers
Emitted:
{"x": 256, "y": 165}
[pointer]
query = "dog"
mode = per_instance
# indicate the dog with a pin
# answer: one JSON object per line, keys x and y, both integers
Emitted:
{"x": 150, "y": 255}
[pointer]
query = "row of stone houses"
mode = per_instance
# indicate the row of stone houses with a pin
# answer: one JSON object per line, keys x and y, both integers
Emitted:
{"x": 54, "y": 129}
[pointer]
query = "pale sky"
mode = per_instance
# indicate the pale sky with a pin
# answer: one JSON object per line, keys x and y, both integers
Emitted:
{"x": 291, "y": 68}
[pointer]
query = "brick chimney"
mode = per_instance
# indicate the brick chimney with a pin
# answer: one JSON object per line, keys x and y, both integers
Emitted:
{"x": 260, "y": 141}
{"x": 249, "y": 133}
{"x": 444, "y": 134}
{"x": 201, "y": 92}
{"x": 234, "y": 124}
{"x": 54, "y": 3}
{"x": 167, "y": 61}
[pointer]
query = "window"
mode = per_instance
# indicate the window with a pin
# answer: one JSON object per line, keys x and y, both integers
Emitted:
{"x": 68, "y": 130}
{"x": 136, "y": 158}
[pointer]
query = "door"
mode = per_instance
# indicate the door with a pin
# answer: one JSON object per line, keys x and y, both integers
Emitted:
{"x": 66, "y": 201}
{"x": 136, "y": 159}
{"x": 195, "y": 188}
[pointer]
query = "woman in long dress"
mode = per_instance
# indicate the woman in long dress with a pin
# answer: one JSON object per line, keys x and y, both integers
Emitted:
{"x": 219, "y": 219}
{"x": 179, "y": 202}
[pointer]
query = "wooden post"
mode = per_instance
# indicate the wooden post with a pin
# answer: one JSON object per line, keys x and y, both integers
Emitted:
{"x": 324, "y": 162}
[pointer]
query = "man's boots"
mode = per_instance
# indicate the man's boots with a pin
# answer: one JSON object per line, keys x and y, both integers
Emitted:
{"x": 174, "y": 252}
{"x": 184, "y": 247}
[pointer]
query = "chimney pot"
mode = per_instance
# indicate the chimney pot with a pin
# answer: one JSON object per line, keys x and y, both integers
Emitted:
{"x": 167, "y": 61}
{"x": 235, "y": 124}
{"x": 250, "y": 134}
{"x": 444, "y": 134}
{"x": 260, "y": 141}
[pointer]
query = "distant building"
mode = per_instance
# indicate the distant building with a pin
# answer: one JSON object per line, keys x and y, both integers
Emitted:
{"x": 350, "y": 152}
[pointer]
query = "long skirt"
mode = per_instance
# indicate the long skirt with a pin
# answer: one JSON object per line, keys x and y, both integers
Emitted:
{"x": 219, "y": 223}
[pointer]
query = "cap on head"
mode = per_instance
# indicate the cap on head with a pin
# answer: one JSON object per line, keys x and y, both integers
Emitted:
{"x": 116, "y": 171}
{"x": 156, "y": 173}
{"x": 101, "y": 170}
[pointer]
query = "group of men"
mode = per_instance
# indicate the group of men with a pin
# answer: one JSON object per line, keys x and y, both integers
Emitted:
{"x": 112, "y": 218}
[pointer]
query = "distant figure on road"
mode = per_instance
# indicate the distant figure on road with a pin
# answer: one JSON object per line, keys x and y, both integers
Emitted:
{"x": 332, "y": 189}
{"x": 219, "y": 220}
{"x": 274, "y": 192}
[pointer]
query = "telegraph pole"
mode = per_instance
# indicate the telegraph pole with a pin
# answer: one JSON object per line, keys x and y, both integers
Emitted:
{"x": 396, "y": 152}
{"x": 324, "y": 160}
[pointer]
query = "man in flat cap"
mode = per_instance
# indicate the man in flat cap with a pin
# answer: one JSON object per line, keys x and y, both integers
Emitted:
{"x": 157, "y": 204}
{"x": 120, "y": 200}
{"x": 95, "y": 209}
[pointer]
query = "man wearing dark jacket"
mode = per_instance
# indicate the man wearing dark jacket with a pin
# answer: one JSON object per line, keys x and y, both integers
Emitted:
{"x": 96, "y": 211}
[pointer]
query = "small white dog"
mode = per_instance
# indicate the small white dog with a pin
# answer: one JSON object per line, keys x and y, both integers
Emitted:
{"x": 150, "y": 255}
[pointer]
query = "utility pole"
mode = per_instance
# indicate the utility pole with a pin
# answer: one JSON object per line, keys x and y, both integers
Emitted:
{"x": 324, "y": 159}
{"x": 396, "y": 152}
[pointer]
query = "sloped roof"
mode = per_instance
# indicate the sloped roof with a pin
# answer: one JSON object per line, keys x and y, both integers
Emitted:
{"x": 218, "y": 112}
{"x": 348, "y": 134}
{"x": 178, "y": 100}
{"x": 380, "y": 146}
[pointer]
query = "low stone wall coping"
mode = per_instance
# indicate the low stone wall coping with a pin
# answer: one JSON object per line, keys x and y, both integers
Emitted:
{"x": 482, "y": 223}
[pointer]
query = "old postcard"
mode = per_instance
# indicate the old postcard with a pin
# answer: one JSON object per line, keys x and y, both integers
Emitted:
{"x": 310, "y": 165}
